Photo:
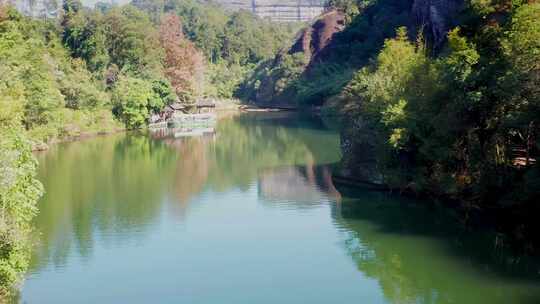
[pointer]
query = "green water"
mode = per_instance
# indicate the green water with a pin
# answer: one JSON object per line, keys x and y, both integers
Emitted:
{"x": 246, "y": 215}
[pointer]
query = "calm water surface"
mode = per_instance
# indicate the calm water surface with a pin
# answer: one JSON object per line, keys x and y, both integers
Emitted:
{"x": 246, "y": 215}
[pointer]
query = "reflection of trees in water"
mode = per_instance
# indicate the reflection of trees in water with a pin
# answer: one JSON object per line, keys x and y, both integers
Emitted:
{"x": 191, "y": 171}
{"x": 117, "y": 185}
{"x": 108, "y": 185}
{"x": 421, "y": 256}
{"x": 248, "y": 144}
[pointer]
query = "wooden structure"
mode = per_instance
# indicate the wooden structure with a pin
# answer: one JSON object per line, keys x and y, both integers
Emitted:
{"x": 198, "y": 114}
{"x": 205, "y": 106}
{"x": 174, "y": 108}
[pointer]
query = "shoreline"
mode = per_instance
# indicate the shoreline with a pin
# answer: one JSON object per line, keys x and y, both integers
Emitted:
{"x": 44, "y": 146}
{"x": 222, "y": 106}
{"x": 503, "y": 221}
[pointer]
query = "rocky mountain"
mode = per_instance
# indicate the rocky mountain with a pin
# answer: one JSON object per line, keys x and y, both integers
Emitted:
{"x": 309, "y": 45}
{"x": 330, "y": 50}
{"x": 315, "y": 38}
{"x": 436, "y": 17}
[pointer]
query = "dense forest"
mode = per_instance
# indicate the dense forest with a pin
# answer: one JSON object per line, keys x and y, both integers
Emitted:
{"x": 434, "y": 99}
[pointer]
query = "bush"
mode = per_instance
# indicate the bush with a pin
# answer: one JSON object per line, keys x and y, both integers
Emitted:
{"x": 134, "y": 99}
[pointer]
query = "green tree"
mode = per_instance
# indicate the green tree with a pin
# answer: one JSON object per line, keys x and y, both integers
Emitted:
{"x": 133, "y": 100}
{"x": 19, "y": 189}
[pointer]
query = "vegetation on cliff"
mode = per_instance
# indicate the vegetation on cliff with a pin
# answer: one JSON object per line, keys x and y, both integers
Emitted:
{"x": 333, "y": 47}
{"x": 442, "y": 96}
{"x": 461, "y": 123}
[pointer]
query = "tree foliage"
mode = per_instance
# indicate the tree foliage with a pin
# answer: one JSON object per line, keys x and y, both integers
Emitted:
{"x": 134, "y": 99}
{"x": 19, "y": 190}
{"x": 183, "y": 62}
{"x": 463, "y": 124}
{"x": 232, "y": 42}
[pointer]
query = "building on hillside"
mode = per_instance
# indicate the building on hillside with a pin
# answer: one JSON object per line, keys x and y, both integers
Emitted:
{"x": 279, "y": 10}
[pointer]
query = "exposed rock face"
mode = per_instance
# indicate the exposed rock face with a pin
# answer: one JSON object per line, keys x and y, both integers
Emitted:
{"x": 313, "y": 39}
{"x": 317, "y": 43}
{"x": 310, "y": 42}
{"x": 436, "y": 18}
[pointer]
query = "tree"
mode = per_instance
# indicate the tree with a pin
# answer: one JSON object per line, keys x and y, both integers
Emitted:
{"x": 72, "y": 6}
{"x": 135, "y": 99}
{"x": 84, "y": 35}
{"x": 522, "y": 48}
{"x": 183, "y": 62}
{"x": 132, "y": 41}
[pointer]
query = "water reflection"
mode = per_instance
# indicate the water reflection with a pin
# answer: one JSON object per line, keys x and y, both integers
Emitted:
{"x": 110, "y": 185}
{"x": 247, "y": 214}
{"x": 117, "y": 186}
{"x": 421, "y": 256}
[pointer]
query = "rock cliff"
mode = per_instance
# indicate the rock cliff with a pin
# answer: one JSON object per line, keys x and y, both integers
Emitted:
{"x": 309, "y": 44}
{"x": 435, "y": 18}
{"x": 315, "y": 38}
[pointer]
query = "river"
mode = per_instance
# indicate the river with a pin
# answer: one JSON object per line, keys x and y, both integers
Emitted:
{"x": 248, "y": 214}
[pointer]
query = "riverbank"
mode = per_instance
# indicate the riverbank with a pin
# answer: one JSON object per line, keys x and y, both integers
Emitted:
{"x": 513, "y": 226}
{"x": 39, "y": 146}
{"x": 75, "y": 132}
{"x": 365, "y": 165}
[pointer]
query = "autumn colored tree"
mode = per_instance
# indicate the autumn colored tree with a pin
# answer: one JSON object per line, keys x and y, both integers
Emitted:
{"x": 183, "y": 61}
